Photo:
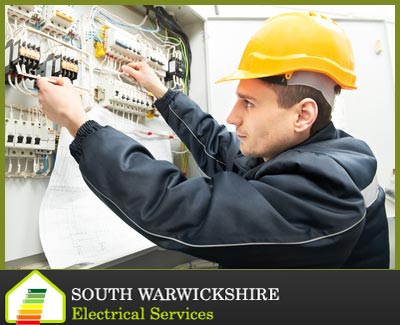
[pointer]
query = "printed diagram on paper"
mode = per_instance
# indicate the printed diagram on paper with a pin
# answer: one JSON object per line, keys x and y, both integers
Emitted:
{"x": 76, "y": 228}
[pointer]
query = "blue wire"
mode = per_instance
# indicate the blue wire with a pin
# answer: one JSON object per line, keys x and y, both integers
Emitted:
{"x": 41, "y": 171}
{"x": 127, "y": 26}
{"x": 93, "y": 36}
{"x": 45, "y": 163}
{"x": 96, "y": 39}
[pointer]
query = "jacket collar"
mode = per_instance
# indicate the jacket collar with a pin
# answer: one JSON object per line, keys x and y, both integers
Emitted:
{"x": 248, "y": 166}
{"x": 327, "y": 133}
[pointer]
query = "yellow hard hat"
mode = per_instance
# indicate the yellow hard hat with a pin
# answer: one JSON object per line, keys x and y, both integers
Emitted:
{"x": 298, "y": 41}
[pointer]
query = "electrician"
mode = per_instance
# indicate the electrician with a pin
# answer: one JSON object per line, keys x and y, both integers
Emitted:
{"x": 288, "y": 190}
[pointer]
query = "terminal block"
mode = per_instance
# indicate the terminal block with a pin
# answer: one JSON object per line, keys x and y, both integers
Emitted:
{"x": 69, "y": 68}
{"x": 157, "y": 59}
{"x": 29, "y": 56}
{"x": 60, "y": 21}
{"x": 176, "y": 68}
{"x": 59, "y": 66}
{"x": 122, "y": 45}
{"x": 123, "y": 98}
{"x": 28, "y": 14}
{"x": 22, "y": 55}
{"x": 21, "y": 12}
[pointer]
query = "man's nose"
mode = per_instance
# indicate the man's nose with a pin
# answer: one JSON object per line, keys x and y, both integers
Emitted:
{"x": 234, "y": 117}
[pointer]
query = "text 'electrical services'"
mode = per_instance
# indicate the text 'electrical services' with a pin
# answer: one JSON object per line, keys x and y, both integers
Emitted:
{"x": 175, "y": 294}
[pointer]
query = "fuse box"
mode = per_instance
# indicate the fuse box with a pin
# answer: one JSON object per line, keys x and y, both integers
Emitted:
{"x": 88, "y": 45}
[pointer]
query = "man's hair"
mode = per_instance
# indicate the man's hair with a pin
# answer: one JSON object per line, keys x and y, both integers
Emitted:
{"x": 287, "y": 96}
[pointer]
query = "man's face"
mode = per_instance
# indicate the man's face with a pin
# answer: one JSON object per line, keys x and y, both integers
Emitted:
{"x": 263, "y": 128}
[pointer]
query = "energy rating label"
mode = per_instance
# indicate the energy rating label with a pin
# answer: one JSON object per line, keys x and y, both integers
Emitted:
{"x": 31, "y": 309}
{"x": 25, "y": 302}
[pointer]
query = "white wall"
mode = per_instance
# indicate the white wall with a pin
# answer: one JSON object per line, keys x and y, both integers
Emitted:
{"x": 368, "y": 112}
{"x": 384, "y": 12}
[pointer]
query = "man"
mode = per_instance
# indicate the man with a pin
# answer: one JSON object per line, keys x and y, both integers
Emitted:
{"x": 288, "y": 190}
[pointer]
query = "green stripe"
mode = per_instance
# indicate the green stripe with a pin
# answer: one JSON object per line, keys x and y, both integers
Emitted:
{"x": 37, "y": 290}
{"x": 33, "y": 301}
{"x": 35, "y": 295}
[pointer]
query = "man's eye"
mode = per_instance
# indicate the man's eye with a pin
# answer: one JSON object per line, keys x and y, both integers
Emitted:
{"x": 248, "y": 103}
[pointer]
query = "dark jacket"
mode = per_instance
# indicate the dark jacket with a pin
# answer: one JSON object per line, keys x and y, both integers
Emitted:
{"x": 317, "y": 205}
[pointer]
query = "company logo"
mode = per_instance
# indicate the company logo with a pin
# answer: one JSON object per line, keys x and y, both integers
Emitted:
{"x": 35, "y": 300}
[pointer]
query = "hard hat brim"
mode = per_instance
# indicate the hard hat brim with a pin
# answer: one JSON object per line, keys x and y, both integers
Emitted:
{"x": 243, "y": 74}
{"x": 239, "y": 75}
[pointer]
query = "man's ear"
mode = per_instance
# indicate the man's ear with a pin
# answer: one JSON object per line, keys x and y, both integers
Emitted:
{"x": 307, "y": 114}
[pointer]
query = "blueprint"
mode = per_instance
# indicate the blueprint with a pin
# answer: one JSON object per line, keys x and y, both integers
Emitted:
{"x": 76, "y": 229}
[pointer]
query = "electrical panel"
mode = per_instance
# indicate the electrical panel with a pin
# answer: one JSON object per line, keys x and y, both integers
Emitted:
{"x": 89, "y": 49}
{"x": 39, "y": 42}
{"x": 88, "y": 45}
{"x": 115, "y": 47}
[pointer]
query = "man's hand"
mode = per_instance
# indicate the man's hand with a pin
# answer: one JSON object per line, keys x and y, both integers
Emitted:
{"x": 145, "y": 76}
{"x": 61, "y": 103}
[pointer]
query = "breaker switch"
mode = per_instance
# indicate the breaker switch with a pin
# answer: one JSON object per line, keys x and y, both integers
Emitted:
{"x": 69, "y": 68}
{"x": 20, "y": 139}
{"x": 10, "y": 138}
{"x": 175, "y": 68}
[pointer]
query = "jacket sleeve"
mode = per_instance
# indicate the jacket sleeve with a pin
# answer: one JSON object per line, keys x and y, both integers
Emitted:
{"x": 211, "y": 145}
{"x": 274, "y": 221}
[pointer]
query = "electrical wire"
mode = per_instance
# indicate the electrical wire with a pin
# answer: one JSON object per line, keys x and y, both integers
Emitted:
{"x": 159, "y": 30}
{"x": 10, "y": 81}
{"x": 167, "y": 22}
{"x": 180, "y": 152}
{"x": 116, "y": 20}
{"x": 163, "y": 20}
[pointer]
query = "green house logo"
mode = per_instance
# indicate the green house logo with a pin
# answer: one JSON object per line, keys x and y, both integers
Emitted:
{"x": 35, "y": 300}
